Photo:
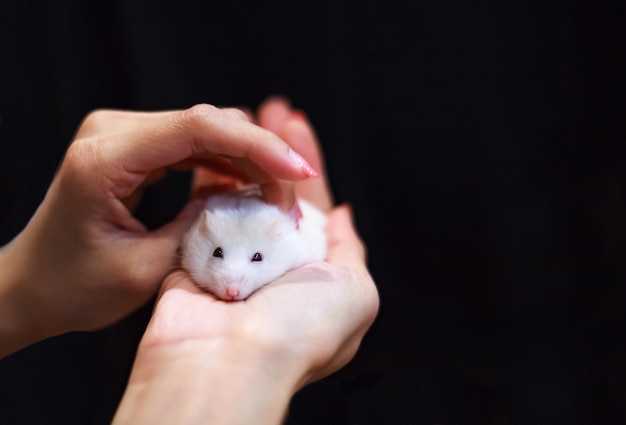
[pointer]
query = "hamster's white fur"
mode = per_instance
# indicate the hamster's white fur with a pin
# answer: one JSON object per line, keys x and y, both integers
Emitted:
{"x": 240, "y": 243}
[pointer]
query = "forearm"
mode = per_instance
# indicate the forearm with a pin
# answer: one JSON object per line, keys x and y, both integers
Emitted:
{"x": 208, "y": 382}
{"x": 30, "y": 283}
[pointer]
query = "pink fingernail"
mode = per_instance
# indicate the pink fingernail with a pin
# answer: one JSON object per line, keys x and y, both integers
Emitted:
{"x": 305, "y": 166}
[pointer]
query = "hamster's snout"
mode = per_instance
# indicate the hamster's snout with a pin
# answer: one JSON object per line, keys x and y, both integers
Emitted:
{"x": 232, "y": 292}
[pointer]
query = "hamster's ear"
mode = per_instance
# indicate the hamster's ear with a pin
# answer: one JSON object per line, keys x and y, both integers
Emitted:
{"x": 296, "y": 214}
{"x": 203, "y": 223}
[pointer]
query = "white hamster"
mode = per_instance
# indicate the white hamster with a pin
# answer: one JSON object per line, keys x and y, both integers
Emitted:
{"x": 240, "y": 243}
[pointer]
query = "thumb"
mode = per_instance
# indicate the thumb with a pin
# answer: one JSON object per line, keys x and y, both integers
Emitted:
{"x": 345, "y": 246}
{"x": 159, "y": 246}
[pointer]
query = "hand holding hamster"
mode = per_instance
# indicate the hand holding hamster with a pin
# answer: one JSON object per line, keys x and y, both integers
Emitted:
{"x": 85, "y": 260}
{"x": 249, "y": 358}
{"x": 240, "y": 243}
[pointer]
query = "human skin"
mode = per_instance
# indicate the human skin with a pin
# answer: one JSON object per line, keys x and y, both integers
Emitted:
{"x": 84, "y": 261}
{"x": 203, "y": 360}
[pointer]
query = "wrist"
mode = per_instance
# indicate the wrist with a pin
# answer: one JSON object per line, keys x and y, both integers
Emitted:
{"x": 18, "y": 327}
{"x": 218, "y": 381}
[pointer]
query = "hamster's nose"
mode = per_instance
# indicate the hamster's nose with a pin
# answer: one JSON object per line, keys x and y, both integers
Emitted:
{"x": 232, "y": 292}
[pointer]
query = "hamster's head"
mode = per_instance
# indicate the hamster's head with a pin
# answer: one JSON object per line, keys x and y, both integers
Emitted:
{"x": 237, "y": 252}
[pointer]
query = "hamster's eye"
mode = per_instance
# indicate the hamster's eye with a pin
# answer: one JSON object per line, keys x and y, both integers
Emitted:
{"x": 257, "y": 257}
{"x": 218, "y": 252}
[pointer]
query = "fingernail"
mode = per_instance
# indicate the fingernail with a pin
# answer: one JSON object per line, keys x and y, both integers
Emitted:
{"x": 301, "y": 162}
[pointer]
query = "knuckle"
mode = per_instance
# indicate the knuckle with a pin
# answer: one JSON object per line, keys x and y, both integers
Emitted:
{"x": 78, "y": 172}
{"x": 96, "y": 120}
{"x": 81, "y": 154}
{"x": 199, "y": 112}
{"x": 99, "y": 114}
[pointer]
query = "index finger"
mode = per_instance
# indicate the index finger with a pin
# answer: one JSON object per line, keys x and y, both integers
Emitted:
{"x": 201, "y": 131}
{"x": 277, "y": 115}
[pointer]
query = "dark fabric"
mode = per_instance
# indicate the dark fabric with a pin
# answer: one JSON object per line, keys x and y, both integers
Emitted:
{"x": 481, "y": 144}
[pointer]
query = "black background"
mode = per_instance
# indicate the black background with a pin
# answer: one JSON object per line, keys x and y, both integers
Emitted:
{"x": 481, "y": 144}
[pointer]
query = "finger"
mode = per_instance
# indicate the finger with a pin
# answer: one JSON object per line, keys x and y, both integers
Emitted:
{"x": 344, "y": 244}
{"x": 157, "y": 249}
{"x": 217, "y": 164}
{"x": 299, "y": 134}
{"x": 273, "y": 113}
{"x": 238, "y": 114}
{"x": 202, "y": 129}
{"x": 280, "y": 193}
{"x": 203, "y": 177}
{"x": 207, "y": 182}
{"x": 133, "y": 201}
{"x": 107, "y": 121}
{"x": 277, "y": 115}
{"x": 276, "y": 112}
{"x": 249, "y": 114}
{"x": 277, "y": 192}
{"x": 179, "y": 279}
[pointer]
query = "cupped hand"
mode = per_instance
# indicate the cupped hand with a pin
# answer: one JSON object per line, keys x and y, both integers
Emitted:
{"x": 314, "y": 316}
{"x": 84, "y": 261}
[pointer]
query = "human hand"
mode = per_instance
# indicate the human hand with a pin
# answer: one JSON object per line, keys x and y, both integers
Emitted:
{"x": 214, "y": 361}
{"x": 84, "y": 261}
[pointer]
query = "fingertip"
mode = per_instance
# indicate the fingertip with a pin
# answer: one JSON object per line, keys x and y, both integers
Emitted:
{"x": 299, "y": 114}
{"x": 274, "y": 112}
{"x": 342, "y": 216}
{"x": 299, "y": 134}
{"x": 276, "y": 99}
{"x": 191, "y": 210}
{"x": 276, "y": 115}
{"x": 344, "y": 241}
{"x": 303, "y": 164}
